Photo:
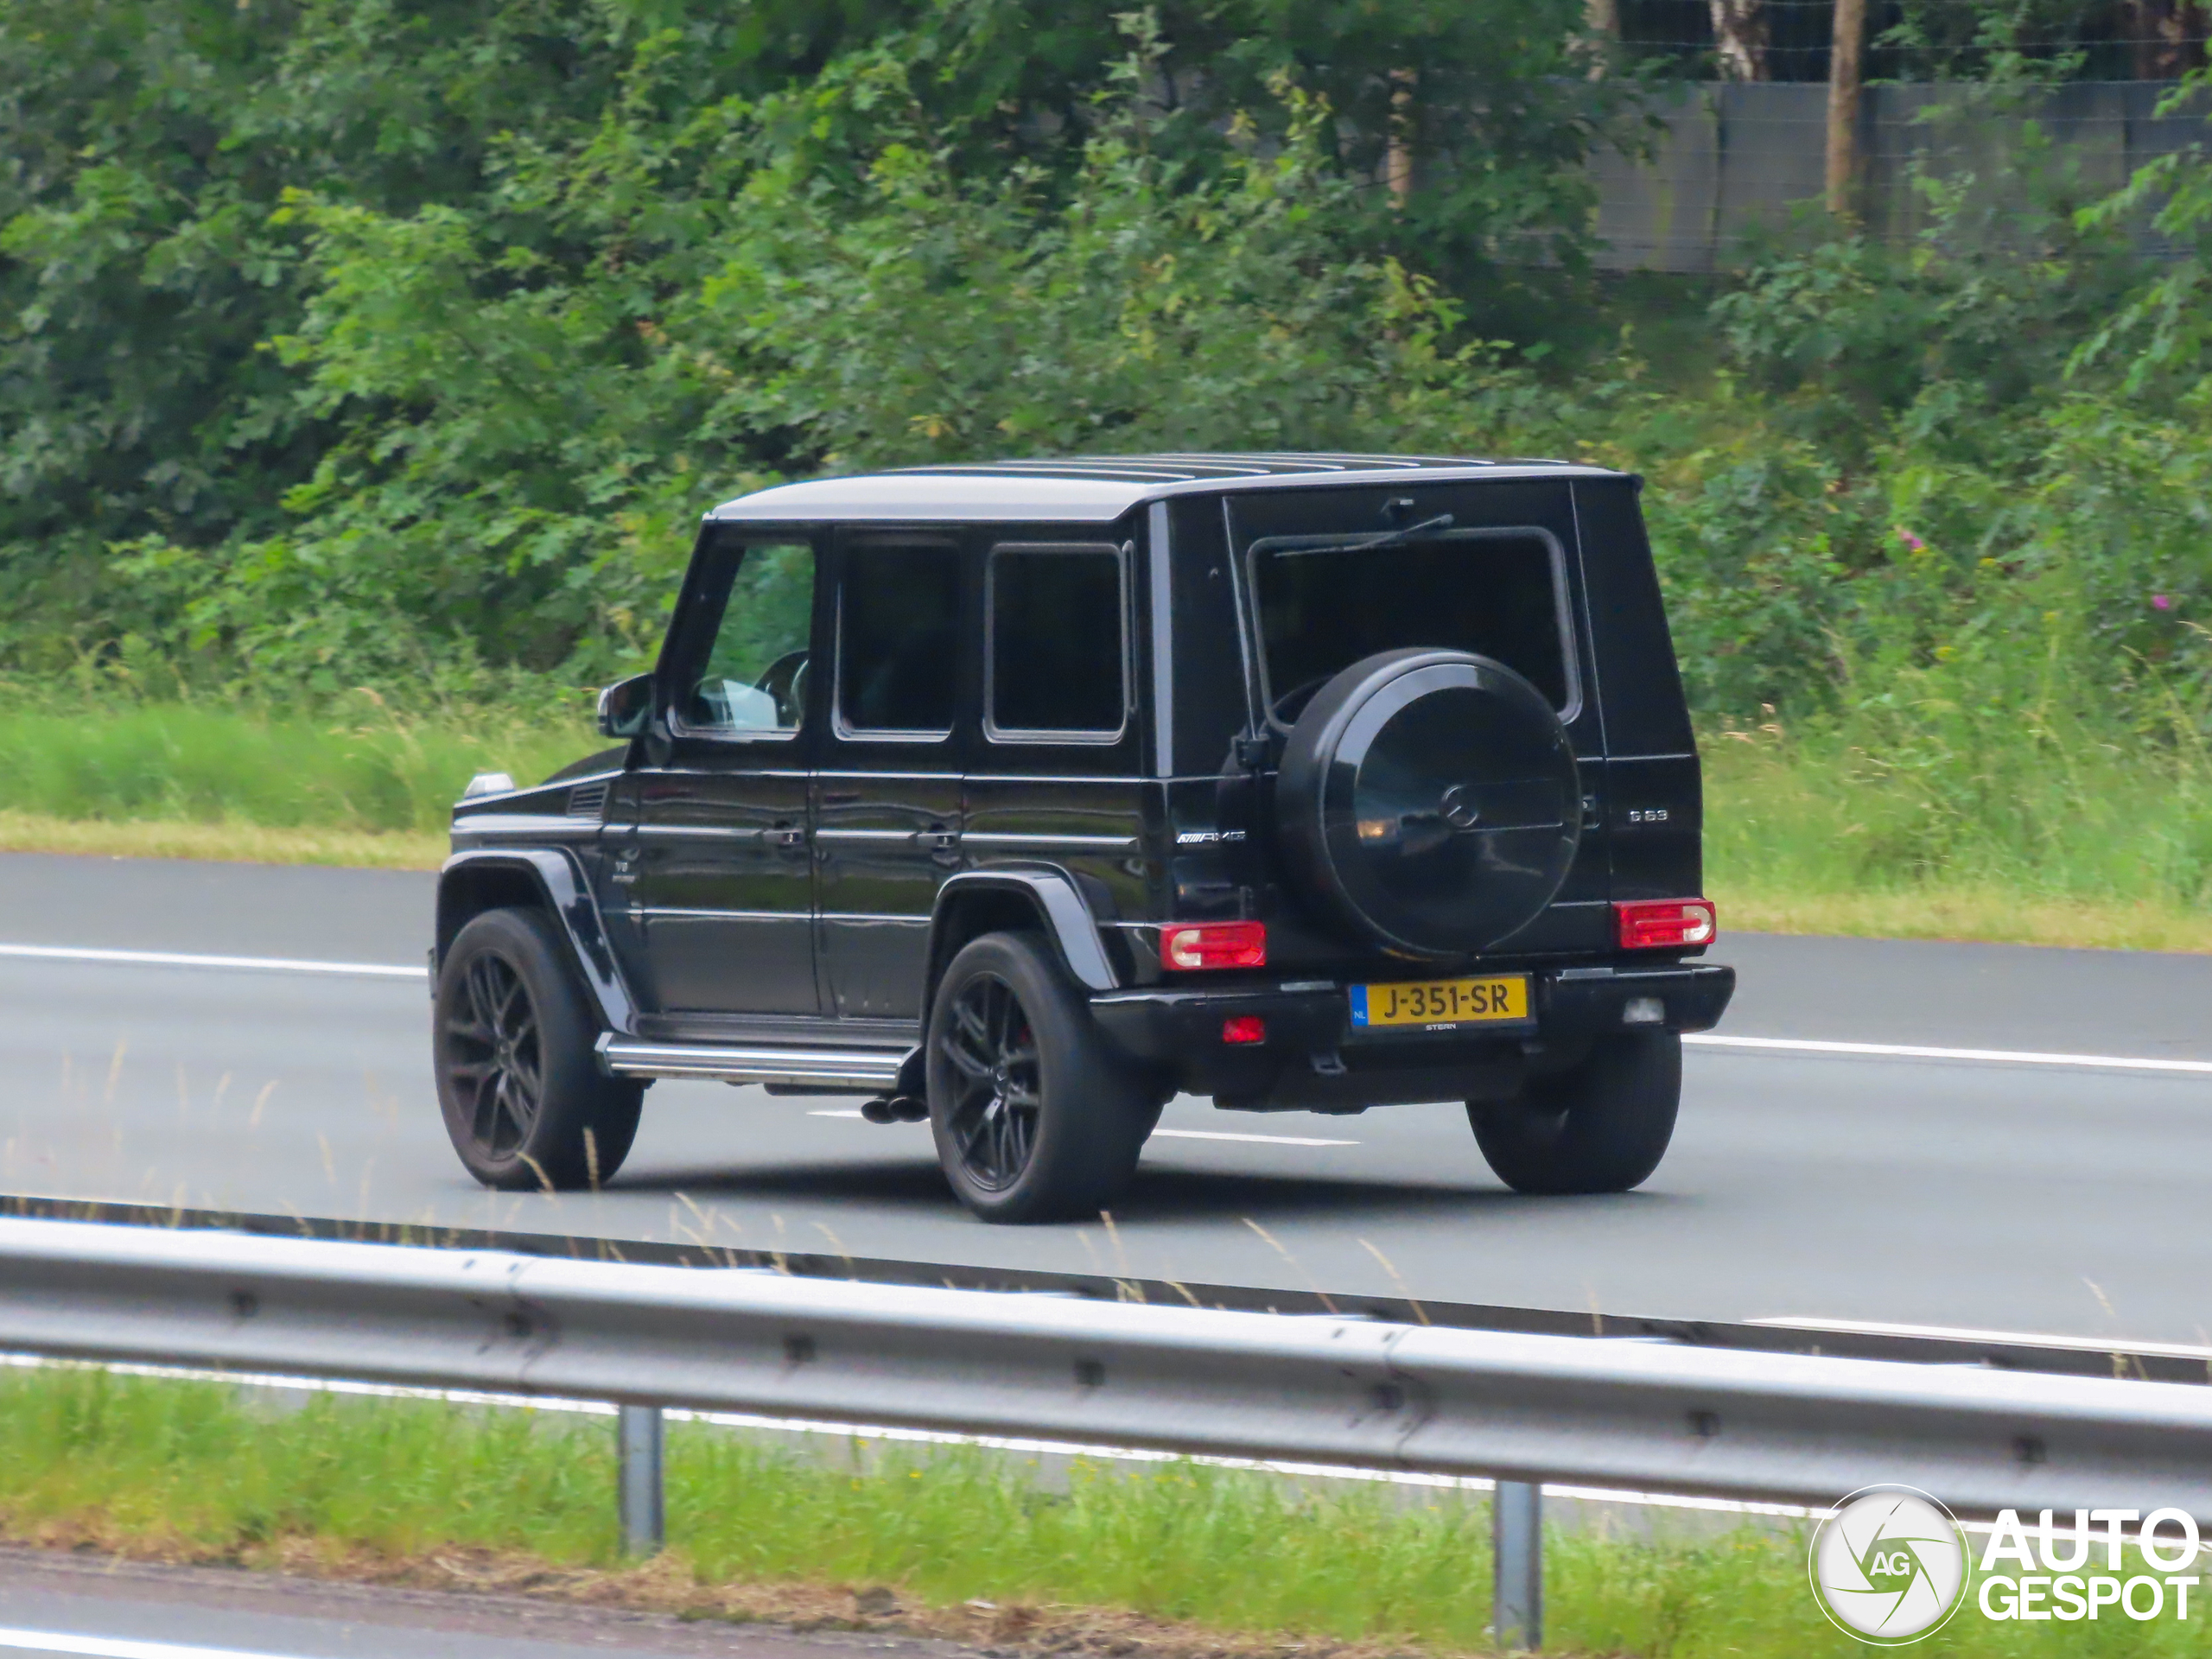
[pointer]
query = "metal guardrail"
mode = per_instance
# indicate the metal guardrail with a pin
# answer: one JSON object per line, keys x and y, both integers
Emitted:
{"x": 2067, "y": 1356}
{"x": 1524, "y": 1409}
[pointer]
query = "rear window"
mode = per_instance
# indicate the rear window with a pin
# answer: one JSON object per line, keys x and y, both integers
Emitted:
{"x": 1323, "y": 605}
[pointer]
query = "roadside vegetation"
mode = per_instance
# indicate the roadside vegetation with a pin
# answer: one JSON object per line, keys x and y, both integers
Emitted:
{"x": 1172, "y": 1560}
{"x": 2077, "y": 842}
{"x": 362, "y": 370}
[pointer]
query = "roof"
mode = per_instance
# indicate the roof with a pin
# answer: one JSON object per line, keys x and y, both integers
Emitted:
{"x": 1096, "y": 491}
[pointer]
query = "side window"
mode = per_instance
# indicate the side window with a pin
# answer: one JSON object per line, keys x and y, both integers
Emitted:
{"x": 753, "y": 678}
{"x": 897, "y": 639}
{"x": 1059, "y": 650}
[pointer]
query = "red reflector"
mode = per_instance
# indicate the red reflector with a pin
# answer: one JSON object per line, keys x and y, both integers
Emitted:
{"x": 1214, "y": 944}
{"x": 1244, "y": 1028}
{"x": 1661, "y": 924}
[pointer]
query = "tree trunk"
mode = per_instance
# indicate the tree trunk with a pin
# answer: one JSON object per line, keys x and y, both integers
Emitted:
{"x": 1398, "y": 150}
{"x": 1846, "y": 73}
{"x": 1739, "y": 38}
{"x": 1602, "y": 29}
{"x": 2168, "y": 36}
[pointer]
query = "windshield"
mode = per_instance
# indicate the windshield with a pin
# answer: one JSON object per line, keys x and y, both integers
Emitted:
{"x": 1323, "y": 606}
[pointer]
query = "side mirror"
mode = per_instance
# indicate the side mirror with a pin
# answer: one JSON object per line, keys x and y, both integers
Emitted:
{"x": 626, "y": 707}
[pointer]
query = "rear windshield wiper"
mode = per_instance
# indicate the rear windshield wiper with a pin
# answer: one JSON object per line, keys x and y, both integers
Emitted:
{"x": 1388, "y": 538}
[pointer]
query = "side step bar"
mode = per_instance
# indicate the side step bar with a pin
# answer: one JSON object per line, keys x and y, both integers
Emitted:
{"x": 873, "y": 1069}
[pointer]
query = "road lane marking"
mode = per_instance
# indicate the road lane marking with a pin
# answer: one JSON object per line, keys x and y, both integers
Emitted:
{"x": 117, "y": 1647}
{"x": 1179, "y": 1135}
{"x": 1707, "y": 1039}
{"x": 179, "y": 959}
{"x": 1918, "y": 1051}
{"x": 2021, "y": 1338}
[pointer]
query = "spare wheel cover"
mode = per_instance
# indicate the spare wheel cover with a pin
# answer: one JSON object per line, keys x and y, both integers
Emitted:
{"x": 1430, "y": 799}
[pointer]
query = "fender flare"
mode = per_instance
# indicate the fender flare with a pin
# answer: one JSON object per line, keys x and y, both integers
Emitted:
{"x": 1053, "y": 893}
{"x": 560, "y": 883}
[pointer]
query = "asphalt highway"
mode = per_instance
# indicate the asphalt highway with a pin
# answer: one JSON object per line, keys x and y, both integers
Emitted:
{"x": 1916, "y": 1189}
{"x": 53, "y": 1605}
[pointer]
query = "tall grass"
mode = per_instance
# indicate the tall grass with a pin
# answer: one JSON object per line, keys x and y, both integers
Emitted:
{"x": 2078, "y": 819}
{"x": 215, "y": 763}
{"x": 1986, "y": 791}
{"x": 1925, "y": 804}
{"x": 196, "y": 1470}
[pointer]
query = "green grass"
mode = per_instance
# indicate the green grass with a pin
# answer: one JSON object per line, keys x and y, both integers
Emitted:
{"x": 1928, "y": 828}
{"x": 199, "y": 1472}
{"x": 187, "y": 763}
{"x": 2056, "y": 837}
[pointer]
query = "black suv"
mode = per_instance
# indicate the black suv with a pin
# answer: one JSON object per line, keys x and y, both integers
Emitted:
{"x": 1023, "y": 797}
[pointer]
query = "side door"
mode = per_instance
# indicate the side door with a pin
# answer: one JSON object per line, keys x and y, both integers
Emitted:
{"x": 887, "y": 801}
{"x": 1057, "y": 777}
{"x": 717, "y": 852}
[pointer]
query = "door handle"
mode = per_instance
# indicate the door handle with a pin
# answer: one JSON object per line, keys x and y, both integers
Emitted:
{"x": 937, "y": 839}
{"x": 785, "y": 834}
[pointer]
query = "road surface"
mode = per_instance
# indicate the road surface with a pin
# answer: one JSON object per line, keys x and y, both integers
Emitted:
{"x": 1963, "y": 1193}
{"x": 53, "y": 1604}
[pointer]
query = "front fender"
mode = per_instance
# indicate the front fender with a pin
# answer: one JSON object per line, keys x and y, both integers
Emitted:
{"x": 560, "y": 884}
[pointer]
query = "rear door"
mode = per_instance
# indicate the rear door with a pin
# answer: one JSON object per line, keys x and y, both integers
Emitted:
{"x": 888, "y": 790}
{"x": 1497, "y": 569}
{"x": 1058, "y": 777}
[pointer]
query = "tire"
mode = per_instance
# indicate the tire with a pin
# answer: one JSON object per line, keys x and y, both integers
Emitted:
{"x": 1035, "y": 1117}
{"x": 1430, "y": 801}
{"x": 1602, "y": 1127}
{"x": 524, "y": 1102}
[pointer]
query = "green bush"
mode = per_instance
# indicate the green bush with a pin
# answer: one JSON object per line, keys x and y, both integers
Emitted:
{"x": 400, "y": 346}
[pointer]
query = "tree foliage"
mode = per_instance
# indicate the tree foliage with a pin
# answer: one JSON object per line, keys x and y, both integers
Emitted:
{"x": 339, "y": 337}
{"x": 402, "y": 344}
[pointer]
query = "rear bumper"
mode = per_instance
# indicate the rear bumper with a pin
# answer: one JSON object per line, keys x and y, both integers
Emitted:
{"x": 1314, "y": 1060}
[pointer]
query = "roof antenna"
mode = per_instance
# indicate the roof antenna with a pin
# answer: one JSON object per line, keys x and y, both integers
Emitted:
{"x": 1395, "y": 510}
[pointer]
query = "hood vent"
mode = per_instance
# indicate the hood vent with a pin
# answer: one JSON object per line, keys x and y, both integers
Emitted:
{"x": 588, "y": 800}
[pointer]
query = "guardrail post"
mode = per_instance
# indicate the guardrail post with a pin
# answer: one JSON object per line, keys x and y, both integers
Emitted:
{"x": 1516, "y": 1530}
{"x": 645, "y": 1505}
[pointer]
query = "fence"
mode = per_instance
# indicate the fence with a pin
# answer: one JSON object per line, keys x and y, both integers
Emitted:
{"x": 1524, "y": 1409}
{"x": 1733, "y": 159}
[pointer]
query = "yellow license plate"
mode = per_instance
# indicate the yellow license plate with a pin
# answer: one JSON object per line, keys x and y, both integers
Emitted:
{"x": 1441, "y": 1002}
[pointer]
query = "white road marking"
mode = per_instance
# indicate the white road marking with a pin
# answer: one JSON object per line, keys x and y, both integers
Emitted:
{"x": 179, "y": 959}
{"x": 1918, "y": 1051}
{"x": 1705, "y": 1039}
{"x": 116, "y": 1647}
{"x": 1180, "y": 1135}
{"x": 1956, "y": 1333}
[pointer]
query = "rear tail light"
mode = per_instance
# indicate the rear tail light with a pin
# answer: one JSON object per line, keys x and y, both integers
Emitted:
{"x": 1213, "y": 944}
{"x": 1665, "y": 924}
{"x": 1243, "y": 1028}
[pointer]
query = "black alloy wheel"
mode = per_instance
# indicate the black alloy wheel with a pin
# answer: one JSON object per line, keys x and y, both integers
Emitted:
{"x": 1037, "y": 1116}
{"x": 997, "y": 1090}
{"x": 497, "y": 1071}
{"x": 513, "y": 1040}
